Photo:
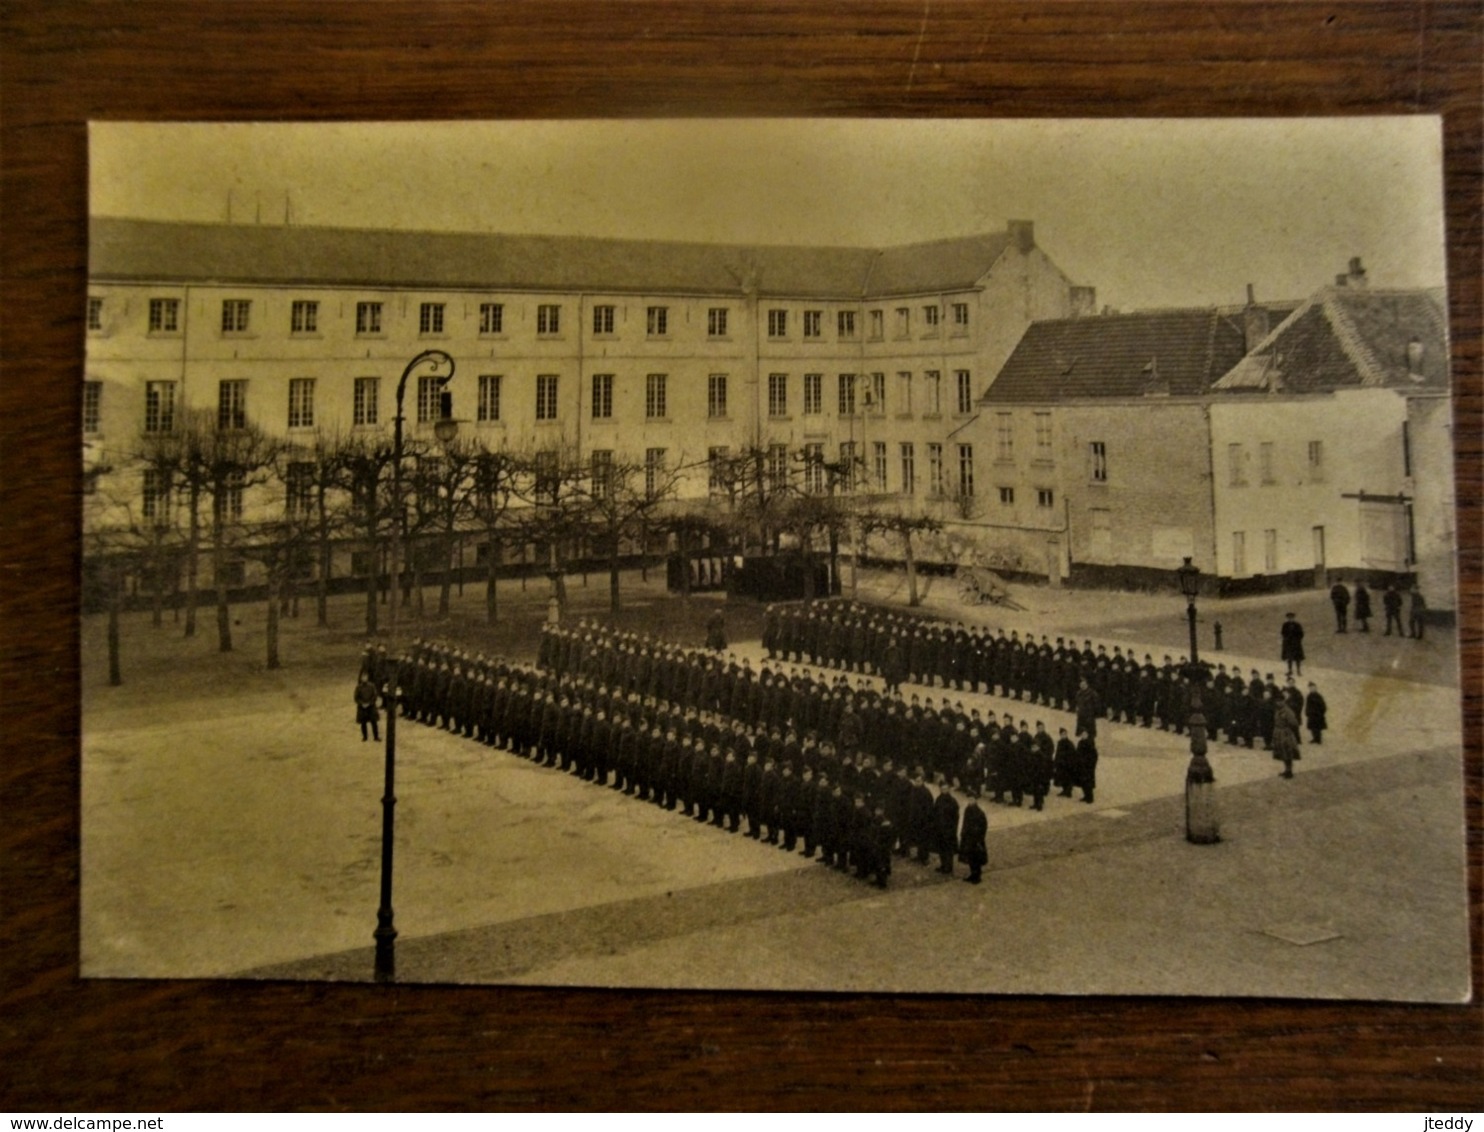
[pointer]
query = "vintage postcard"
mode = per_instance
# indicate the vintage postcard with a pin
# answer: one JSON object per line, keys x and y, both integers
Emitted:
{"x": 946, "y": 556}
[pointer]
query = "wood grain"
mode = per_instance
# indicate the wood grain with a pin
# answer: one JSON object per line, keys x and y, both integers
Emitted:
{"x": 68, "y": 1044}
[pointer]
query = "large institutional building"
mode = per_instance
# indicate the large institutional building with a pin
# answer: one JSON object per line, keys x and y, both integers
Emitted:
{"x": 1274, "y": 443}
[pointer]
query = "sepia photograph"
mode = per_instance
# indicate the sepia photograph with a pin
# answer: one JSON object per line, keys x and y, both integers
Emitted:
{"x": 946, "y": 556}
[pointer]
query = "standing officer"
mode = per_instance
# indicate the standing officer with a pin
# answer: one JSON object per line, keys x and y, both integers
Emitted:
{"x": 1339, "y": 597}
{"x": 971, "y": 839}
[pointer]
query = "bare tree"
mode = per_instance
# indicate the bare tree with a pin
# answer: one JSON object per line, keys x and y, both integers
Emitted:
{"x": 620, "y": 500}
{"x": 494, "y": 475}
{"x": 905, "y": 528}
{"x": 364, "y": 475}
{"x": 553, "y": 486}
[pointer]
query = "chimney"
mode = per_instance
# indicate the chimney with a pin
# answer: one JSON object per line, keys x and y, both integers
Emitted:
{"x": 1414, "y": 358}
{"x": 1354, "y": 277}
{"x": 1023, "y": 232}
{"x": 1084, "y": 301}
{"x": 1255, "y": 321}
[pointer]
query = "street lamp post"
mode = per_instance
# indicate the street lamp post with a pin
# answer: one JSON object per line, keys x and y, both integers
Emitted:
{"x": 391, "y": 693}
{"x": 1201, "y": 826}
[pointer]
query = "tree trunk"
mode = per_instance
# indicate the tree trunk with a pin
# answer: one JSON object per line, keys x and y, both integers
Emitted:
{"x": 445, "y": 591}
{"x": 373, "y": 587}
{"x": 912, "y": 597}
{"x": 275, "y": 592}
{"x": 193, "y": 559}
{"x": 223, "y": 609}
{"x": 614, "y": 603}
{"x": 115, "y": 601}
{"x": 491, "y": 582}
{"x": 326, "y": 559}
{"x": 157, "y": 580}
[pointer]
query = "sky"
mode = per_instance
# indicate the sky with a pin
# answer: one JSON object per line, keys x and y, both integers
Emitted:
{"x": 1152, "y": 213}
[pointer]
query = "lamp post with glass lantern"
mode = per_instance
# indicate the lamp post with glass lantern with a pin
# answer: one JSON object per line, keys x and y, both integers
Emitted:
{"x": 1201, "y": 827}
{"x": 445, "y": 429}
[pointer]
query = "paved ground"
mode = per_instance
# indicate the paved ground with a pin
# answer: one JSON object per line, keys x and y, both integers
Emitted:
{"x": 231, "y": 826}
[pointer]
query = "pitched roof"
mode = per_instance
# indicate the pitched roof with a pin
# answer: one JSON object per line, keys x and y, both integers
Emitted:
{"x": 1349, "y": 337}
{"x": 124, "y": 249}
{"x": 1122, "y": 355}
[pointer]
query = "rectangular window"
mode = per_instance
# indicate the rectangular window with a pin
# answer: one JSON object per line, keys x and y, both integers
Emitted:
{"x": 298, "y": 502}
{"x": 777, "y": 466}
{"x": 430, "y": 318}
{"x": 1270, "y": 551}
{"x": 1316, "y": 461}
{"x": 603, "y": 320}
{"x": 364, "y": 408}
{"x": 777, "y": 323}
{"x": 235, "y": 315}
{"x": 658, "y": 322}
{"x": 814, "y": 475}
{"x": 226, "y": 502}
{"x": 935, "y": 469}
{"x": 876, "y": 394}
{"x": 716, "y": 395}
{"x": 813, "y": 321}
{"x": 847, "y": 394}
{"x": 546, "y": 397}
{"x": 909, "y": 468}
{"x": 1097, "y": 454}
{"x": 904, "y": 321}
{"x": 932, "y": 385}
{"x": 489, "y": 396}
{"x": 1004, "y": 437}
{"x": 92, "y": 406}
{"x": 904, "y": 392}
{"x": 1043, "y": 438}
{"x": 1265, "y": 462}
{"x": 301, "y": 402}
{"x": 716, "y": 470}
{"x": 429, "y": 399}
{"x": 95, "y": 314}
{"x": 491, "y": 318}
{"x": 304, "y": 317}
{"x": 159, "y": 406}
{"x": 966, "y": 471}
{"x": 960, "y": 318}
{"x": 231, "y": 405}
{"x": 548, "y": 319}
{"x": 716, "y": 322}
{"x": 602, "y": 472}
{"x": 965, "y": 386}
{"x": 164, "y": 316}
{"x": 602, "y": 396}
{"x": 930, "y": 319}
{"x": 545, "y": 474}
{"x": 849, "y": 465}
{"x": 1007, "y": 496}
{"x": 156, "y": 495}
{"x": 654, "y": 471}
{"x": 1239, "y": 553}
{"x": 1236, "y": 465}
{"x": 1045, "y": 497}
{"x": 813, "y": 394}
{"x": 878, "y": 465}
{"x": 845, "y": 324}
{"x": 878, "y": 325}
{"x": 654, "y": 397}
{"x": 777, "y": 394}
{"x": 368, "y": 318}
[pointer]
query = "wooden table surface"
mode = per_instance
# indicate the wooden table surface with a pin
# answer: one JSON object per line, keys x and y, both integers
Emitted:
{"x": 66, "y": 1044}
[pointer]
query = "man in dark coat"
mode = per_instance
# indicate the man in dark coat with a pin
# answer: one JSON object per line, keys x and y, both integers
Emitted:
{"x": 1089, "y": 708}
{"x": 1087, "y": 766}
{"x": 972, "y": 850}
{"x": 1041, "y": 762}
{"x": 919, "y": 833}
{"x": 1391, "y": 603}
{"x": 1417, "y": 613}
{"x": 945, "y": 825}
{"x": 1339, "y": 597}
{"x": 1316, "y": 714}
{"x": 1293, "y": 644}
{"x": 1064, "y": 764}
{"x": 1362, "y": 609}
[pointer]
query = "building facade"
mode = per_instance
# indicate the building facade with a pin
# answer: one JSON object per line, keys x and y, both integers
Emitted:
{"x": 631, "y": 352}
